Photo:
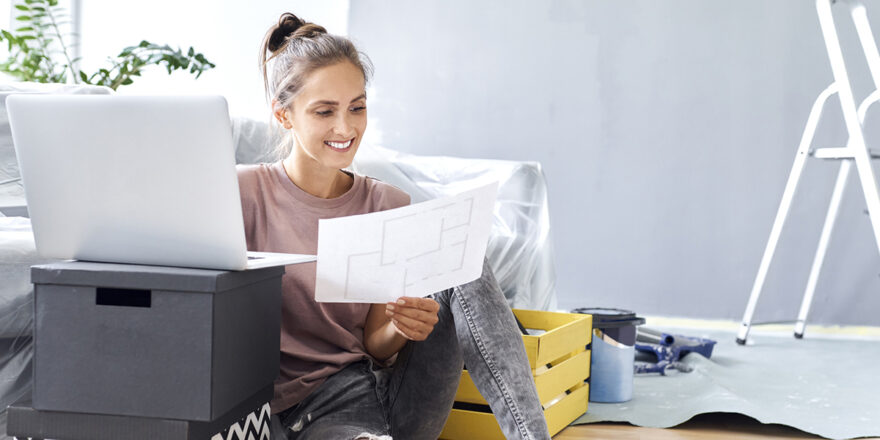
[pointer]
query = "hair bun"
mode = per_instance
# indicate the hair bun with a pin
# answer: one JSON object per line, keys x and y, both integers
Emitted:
{"x": 290, "y": 26}
{"x": 309, "y": 30}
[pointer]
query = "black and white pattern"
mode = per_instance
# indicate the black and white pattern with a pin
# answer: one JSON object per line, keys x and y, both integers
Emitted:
{"x": 254, "y": 426}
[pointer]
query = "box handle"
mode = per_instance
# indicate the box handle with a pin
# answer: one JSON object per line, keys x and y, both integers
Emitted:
{"x": 108, "y": 296}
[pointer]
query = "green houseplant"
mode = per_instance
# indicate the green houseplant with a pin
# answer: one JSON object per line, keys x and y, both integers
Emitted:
{"x": 38, "y": 52}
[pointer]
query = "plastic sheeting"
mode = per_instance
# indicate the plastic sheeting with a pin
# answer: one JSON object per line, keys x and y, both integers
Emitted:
{"x": 17, "y": 254}
{"x": 254, "y": 141}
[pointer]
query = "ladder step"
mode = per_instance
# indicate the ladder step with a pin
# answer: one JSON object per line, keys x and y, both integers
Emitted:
{"x": 840, "y": 153}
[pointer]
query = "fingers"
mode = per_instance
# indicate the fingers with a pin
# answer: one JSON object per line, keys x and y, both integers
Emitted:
{"x": 414, "y": 318}
{"x": 418, "y": 326}
{"x": 408, "y": 332}
{"x": 416, "y": 311}
{"x": 426, "y": 304}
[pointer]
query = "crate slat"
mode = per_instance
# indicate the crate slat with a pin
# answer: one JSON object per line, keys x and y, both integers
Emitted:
{"x": 562, "y": 377}
{"x": 566, "y": 410}
{"x": 560, "y": 341}
{"x": 541, "y": 320}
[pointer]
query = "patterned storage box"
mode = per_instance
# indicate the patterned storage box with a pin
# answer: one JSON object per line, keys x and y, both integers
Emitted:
{"x": 247, "y": 421}
{"x": 560, "y": 365}
{"x": 254, "y": 426}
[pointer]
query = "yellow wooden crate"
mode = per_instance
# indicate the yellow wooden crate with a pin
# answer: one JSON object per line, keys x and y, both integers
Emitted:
{"x": 560, "y": 366}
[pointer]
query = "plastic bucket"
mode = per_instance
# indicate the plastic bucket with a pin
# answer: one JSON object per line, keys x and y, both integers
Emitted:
{"x": 613, "y": 353}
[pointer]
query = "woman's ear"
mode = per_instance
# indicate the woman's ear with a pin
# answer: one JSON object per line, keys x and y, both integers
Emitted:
{"x": 281, "y": 114}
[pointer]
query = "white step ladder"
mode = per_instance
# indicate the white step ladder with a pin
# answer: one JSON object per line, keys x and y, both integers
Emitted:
{"x": 855, "y": 151}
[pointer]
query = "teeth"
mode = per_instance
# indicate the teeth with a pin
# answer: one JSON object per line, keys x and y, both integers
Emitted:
{"x": 339, "y": 145}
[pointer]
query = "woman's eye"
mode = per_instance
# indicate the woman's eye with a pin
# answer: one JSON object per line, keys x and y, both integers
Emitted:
{"x": 358, "y": 109}
{"x": 324, "y": 113}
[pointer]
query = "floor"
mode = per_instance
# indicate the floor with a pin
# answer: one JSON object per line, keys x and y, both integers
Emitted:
{"x": 720, "y": 426}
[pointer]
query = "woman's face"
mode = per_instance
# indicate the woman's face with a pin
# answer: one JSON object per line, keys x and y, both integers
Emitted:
{"x": 328, "y": 116}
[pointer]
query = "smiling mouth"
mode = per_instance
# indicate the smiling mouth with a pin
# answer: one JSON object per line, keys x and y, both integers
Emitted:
{"x": 339, "y": 146}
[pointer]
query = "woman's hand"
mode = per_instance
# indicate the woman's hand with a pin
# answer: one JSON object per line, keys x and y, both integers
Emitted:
{"x": 389, "y": 328}
{"x": 413, "y": 318}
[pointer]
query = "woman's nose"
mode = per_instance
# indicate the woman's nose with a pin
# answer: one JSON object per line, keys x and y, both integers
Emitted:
{"x": 343, "y": 126}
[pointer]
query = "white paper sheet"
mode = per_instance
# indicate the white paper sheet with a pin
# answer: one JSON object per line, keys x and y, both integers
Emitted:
{"x": 415, "y": 250}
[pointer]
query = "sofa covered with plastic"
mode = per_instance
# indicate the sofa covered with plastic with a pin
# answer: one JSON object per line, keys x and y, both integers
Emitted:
{"x": 519, "y": 250}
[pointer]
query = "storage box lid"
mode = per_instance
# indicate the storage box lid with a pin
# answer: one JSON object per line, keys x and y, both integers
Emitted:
{"x": 132, "y": 276}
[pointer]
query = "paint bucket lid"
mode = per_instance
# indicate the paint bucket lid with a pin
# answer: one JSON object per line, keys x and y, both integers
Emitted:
{"x": 611, "y": 318}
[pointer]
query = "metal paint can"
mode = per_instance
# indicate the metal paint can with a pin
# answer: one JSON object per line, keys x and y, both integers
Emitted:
{"x": 613, "y": 353}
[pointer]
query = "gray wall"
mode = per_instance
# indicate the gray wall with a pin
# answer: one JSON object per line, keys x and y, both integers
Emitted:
{"x": 666, "y": 129}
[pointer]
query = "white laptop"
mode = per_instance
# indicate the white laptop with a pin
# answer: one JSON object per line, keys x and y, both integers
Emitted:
{"x": 133, "y": 179}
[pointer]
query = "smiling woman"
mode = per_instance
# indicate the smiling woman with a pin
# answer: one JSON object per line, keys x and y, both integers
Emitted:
{"x": 363, "y": 370}
{"x": 326, "y": 124}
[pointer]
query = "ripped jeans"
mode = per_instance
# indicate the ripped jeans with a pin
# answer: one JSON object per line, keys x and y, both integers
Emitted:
{"x": 412, "y": 399}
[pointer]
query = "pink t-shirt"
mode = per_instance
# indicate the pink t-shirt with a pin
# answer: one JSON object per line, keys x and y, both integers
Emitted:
{"x": 317, "y": 339}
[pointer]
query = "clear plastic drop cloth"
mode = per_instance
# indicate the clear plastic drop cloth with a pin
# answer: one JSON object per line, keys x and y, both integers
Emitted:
{"x": 520, "y": 246}
{"x": 254, "y": 141}
{"x": 17, "y": 254}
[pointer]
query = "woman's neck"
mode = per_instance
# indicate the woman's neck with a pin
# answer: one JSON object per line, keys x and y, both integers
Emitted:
{"x": 326, "y": 183}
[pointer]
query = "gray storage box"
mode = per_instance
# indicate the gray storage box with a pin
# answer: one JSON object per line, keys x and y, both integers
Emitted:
{"x": 151, "y": 341}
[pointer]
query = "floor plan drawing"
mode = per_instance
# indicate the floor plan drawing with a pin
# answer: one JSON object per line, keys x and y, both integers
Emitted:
{"x": 406, "y": 251}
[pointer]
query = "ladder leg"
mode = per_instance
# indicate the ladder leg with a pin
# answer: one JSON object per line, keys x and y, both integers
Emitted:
{"x": 784, "y": 207}
{"x": 770, "y": 249}
{"x": 869, "y": 189}
{"x": 830, "y": 219}
{"x": 866, "y": 38}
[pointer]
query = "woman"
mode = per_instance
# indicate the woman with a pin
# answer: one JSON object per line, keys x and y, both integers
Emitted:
{"x": 362, "y": 370}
